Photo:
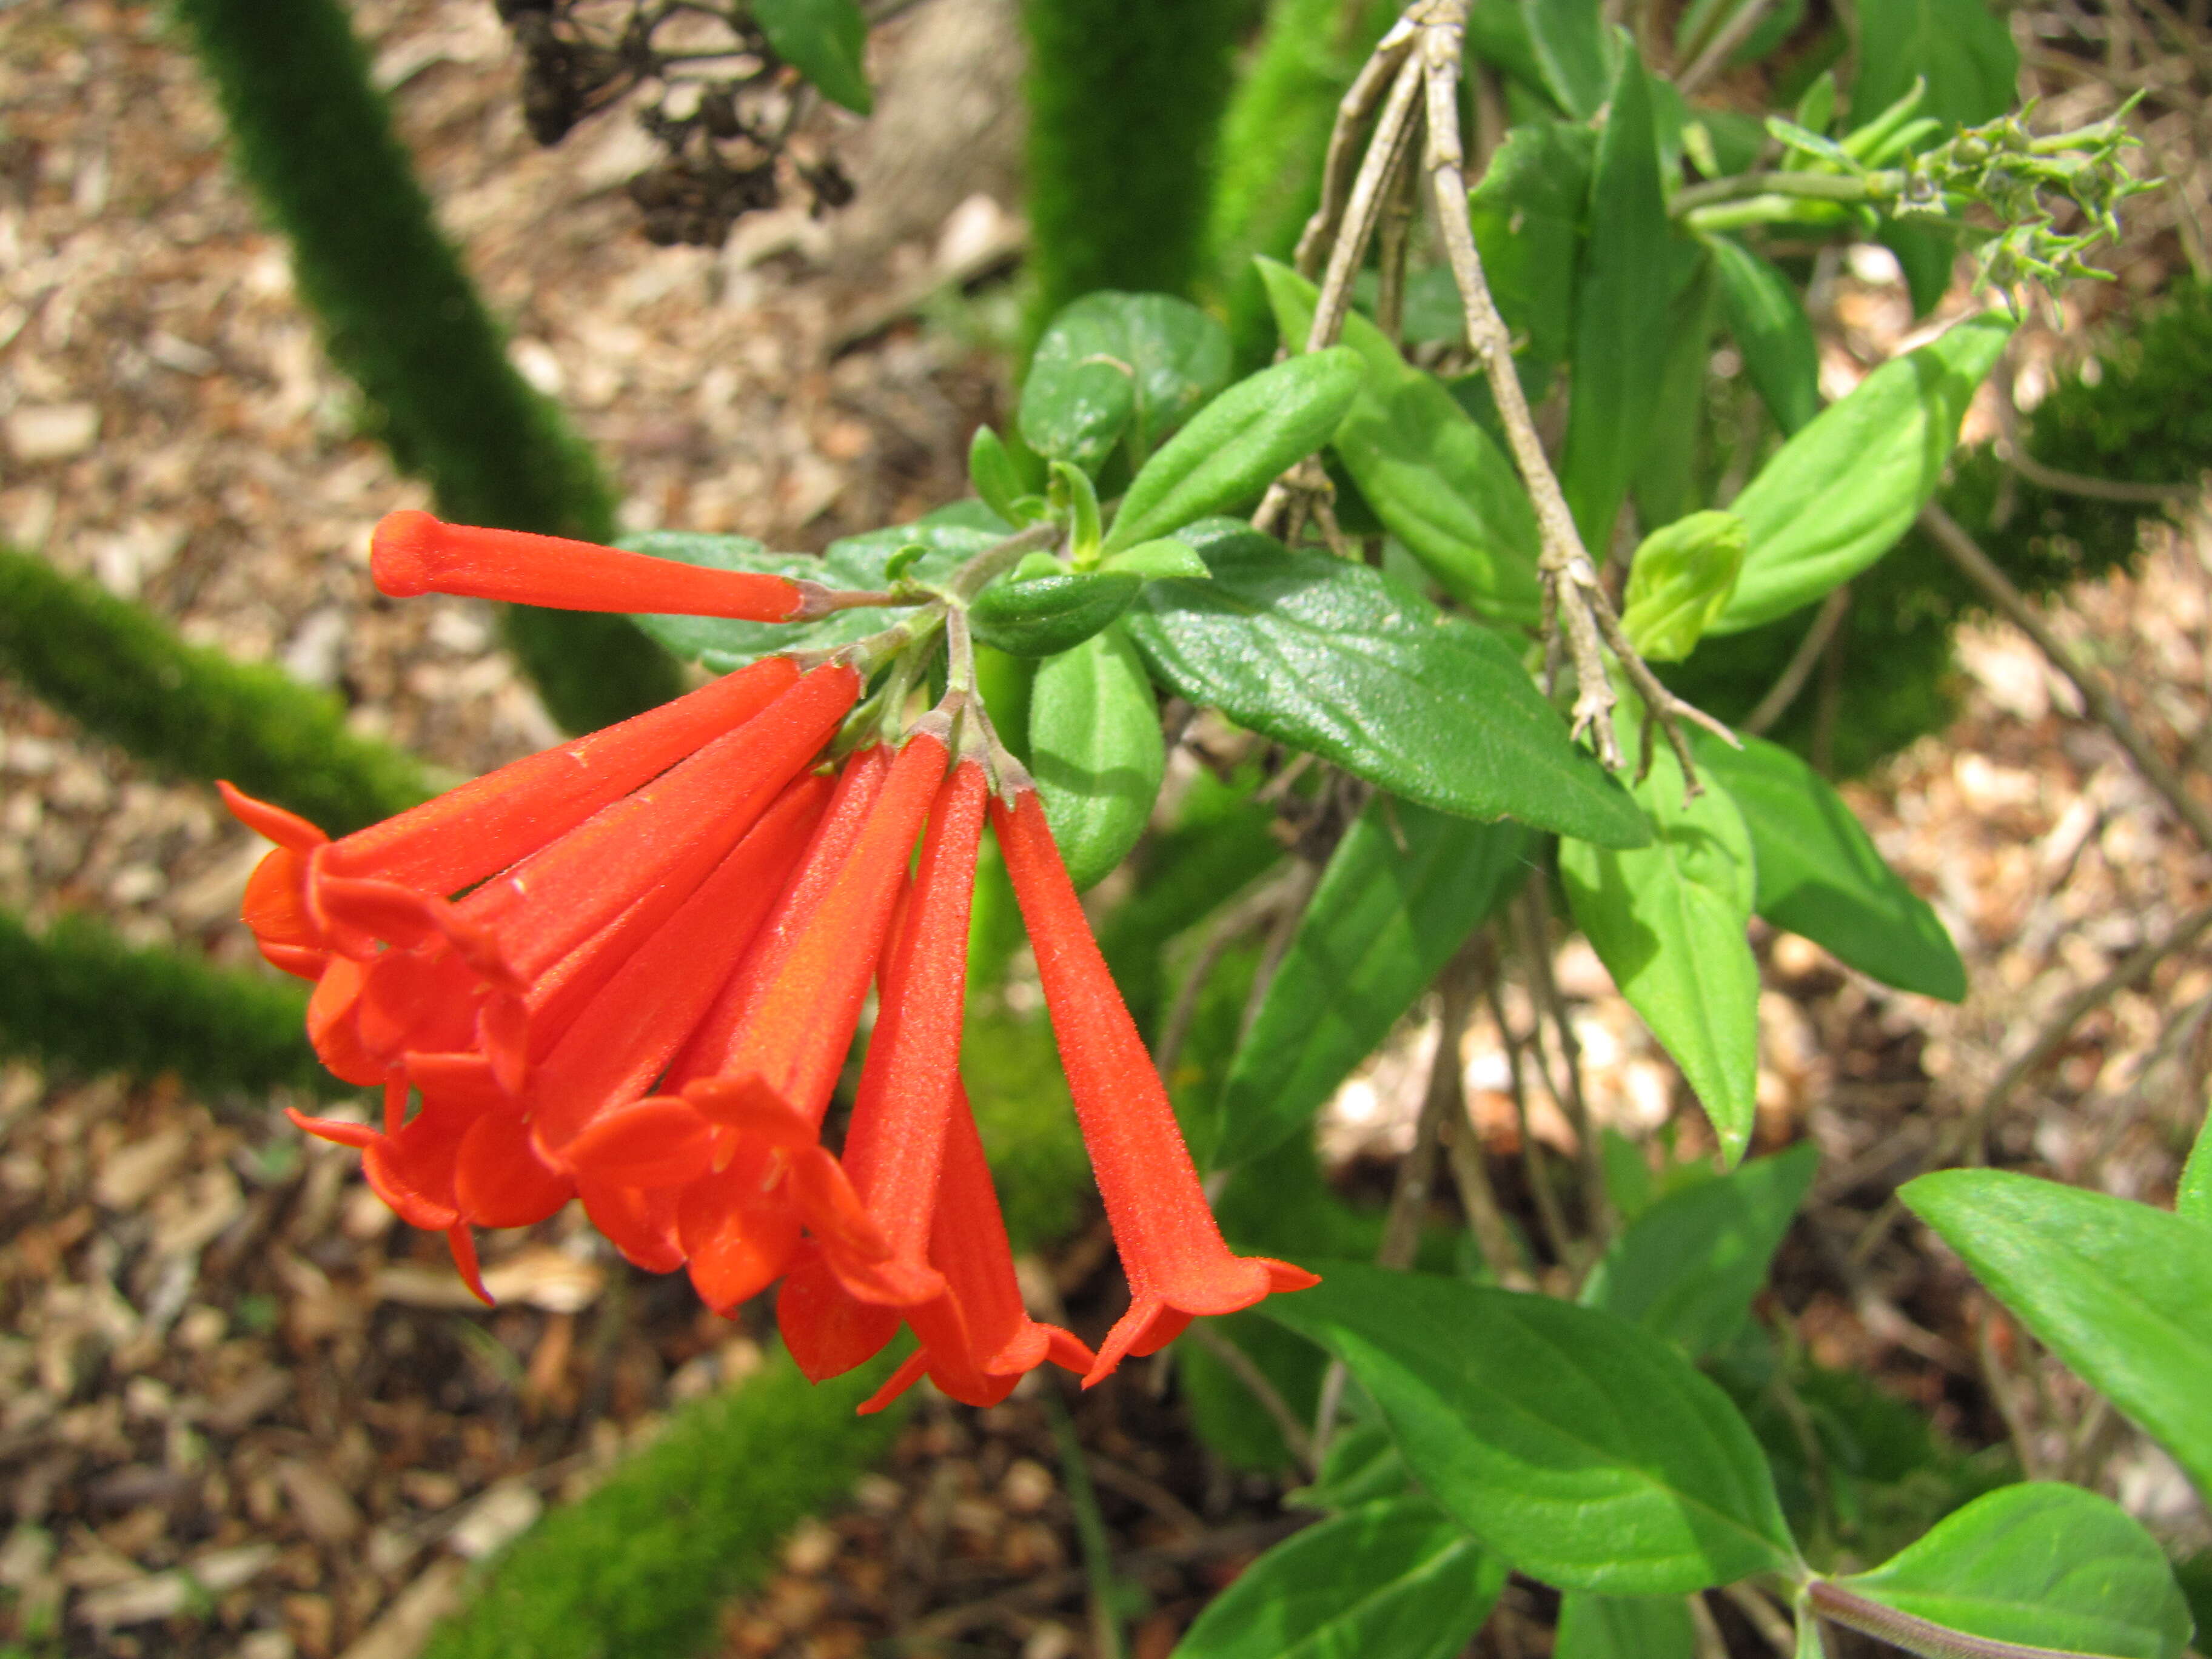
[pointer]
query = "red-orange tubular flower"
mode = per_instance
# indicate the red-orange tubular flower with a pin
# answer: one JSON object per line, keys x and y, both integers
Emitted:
{"x": 627, "y": 971}
{"x": 914, "y": 1160}
{"x": 1171, "y": 1251}
{"x": 413, "y": 553}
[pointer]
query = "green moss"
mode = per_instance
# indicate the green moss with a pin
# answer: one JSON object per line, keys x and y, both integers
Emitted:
{"x": 314, "y": 140}
{"x": 76, "y": 997}
{"x": 1125, "y": 99}
{"x": 637, "y": 1570}
{"x": 124, "y": 675}
{"x": 1272, "y": 139}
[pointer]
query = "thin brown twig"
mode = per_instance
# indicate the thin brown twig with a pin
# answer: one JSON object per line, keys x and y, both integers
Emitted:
{"x": 1574, "y": 600}
{"x": 1231, "y": 925}
{"x": 1964, "y": 551}
{"x": 1776, "y": 703}
{"x": 1733, "y": 34}
{"x": 1240, "y": 1365}
{"x": 1779, "y": 1633}
{"x": 1548, "y": 1213}
{"x": 1537, "y": 952}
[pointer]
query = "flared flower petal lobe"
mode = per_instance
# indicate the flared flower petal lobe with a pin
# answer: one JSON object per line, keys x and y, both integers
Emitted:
{"x": 499, "y": 1180}
{"x": 827, "y": 1329}
{"x": 412, "y": 553}
{"x": 660, "y": 1142}
{"x": 1171, "y": 1248}
{"x": 638, "y": 1221}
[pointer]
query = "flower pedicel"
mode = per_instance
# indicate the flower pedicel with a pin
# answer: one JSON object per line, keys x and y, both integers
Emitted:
{"x": 627, "y": 970}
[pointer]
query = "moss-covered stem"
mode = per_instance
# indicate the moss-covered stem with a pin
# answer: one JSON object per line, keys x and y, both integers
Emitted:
{"x": 314, "y": 139}
{"x": 189, "y": 712}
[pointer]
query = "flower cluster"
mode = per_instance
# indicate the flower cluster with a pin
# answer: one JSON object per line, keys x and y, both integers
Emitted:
{"x": 626, "y": 971}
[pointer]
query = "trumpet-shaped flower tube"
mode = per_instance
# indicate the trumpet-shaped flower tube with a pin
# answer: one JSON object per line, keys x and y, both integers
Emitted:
{"x": 1171, "y": 1250}
{"x": 412, "y": 553}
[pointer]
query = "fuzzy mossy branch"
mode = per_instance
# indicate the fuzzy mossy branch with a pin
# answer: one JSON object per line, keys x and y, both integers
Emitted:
{"x": 639, "y": 1568}
{"x": 76, "y": 997}
{"x": 314, "y": 139}
{"x": 120, "y": 674}
{"x": 1125, "y": 99}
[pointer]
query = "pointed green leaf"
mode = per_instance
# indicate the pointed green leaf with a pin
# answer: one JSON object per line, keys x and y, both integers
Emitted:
{"x": 1049, "y": 614}
{"x": 1154, "y": 560}
{"x": 1772, "y": 332}
{"x": 1839, "y": 495}
{"x": 1625, "y": 1627}
{"x": 1668, "y": 920}
{"x": 1114, "y": 363}
{"x": 2050, "y": 1566}
{"x": 1436, "y": 479}
{"x": 825, "y": 40}
{"x": 1621, "y": 298}
{"x": 1402, "y": 891}
{"x": 2194, "y": 1197}
{"x": 1819, "y": 873}
{"x": 1963, "y": 50}
{"x": 1687, "y": 1268}
{"x": 1394, "y": 1578}
{"x": 1586, "y": 1452}
{"x": 1331, "y": 657}
{"x": 1095, "y": 747}
{"x": 1679, "y": 579}
{"x": 1573, "y": 51}
{"x": 992, "y": 472}
{"x": 2121, "y": 1292}
{"x": 1238, "y": 445}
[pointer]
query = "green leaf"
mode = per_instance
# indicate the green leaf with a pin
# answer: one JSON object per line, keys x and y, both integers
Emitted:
{"x": 1335, "y": 659}
{"x": 1362, "y": 1464}
{"x": 2121, "y": 1292}
{"x": 2044, "y": 1564}
{"x": 1114, "y": 363}
{"x": 1839, "y": 495}
{"x": 1528, "y": 213}
{"x": 1621, "y": 298}
{"x": 1095, "y": 747}
{"x": 1820, "y": 876}
{"x": 1156, "y": 560}
{"x": 1771, "y": 330}
{"x": 1050, "y": 614}
{"x": 1680, "y": 580}
{"x": 1402, "y": 891}
{"x": 1394, "y": 1578}
{"x": 1964, "y": 51}
{"x": 1573, "y": 51}
{"x": 1238, "y": 444}
{"x": 1687, "y": 1268}
{"x": 1436, "y": 479}
{"x": 1668, "y": 920}
{"x": 1586, "y": 1452}
{"x": 992, "y": 471}
{"x": 825, "y": 40}
{"x": 2194, "y": 1197}
{"x": 722, "y": 643}
{"x": 1625, "y": 1627}
{"x": 1665, "y": 486}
